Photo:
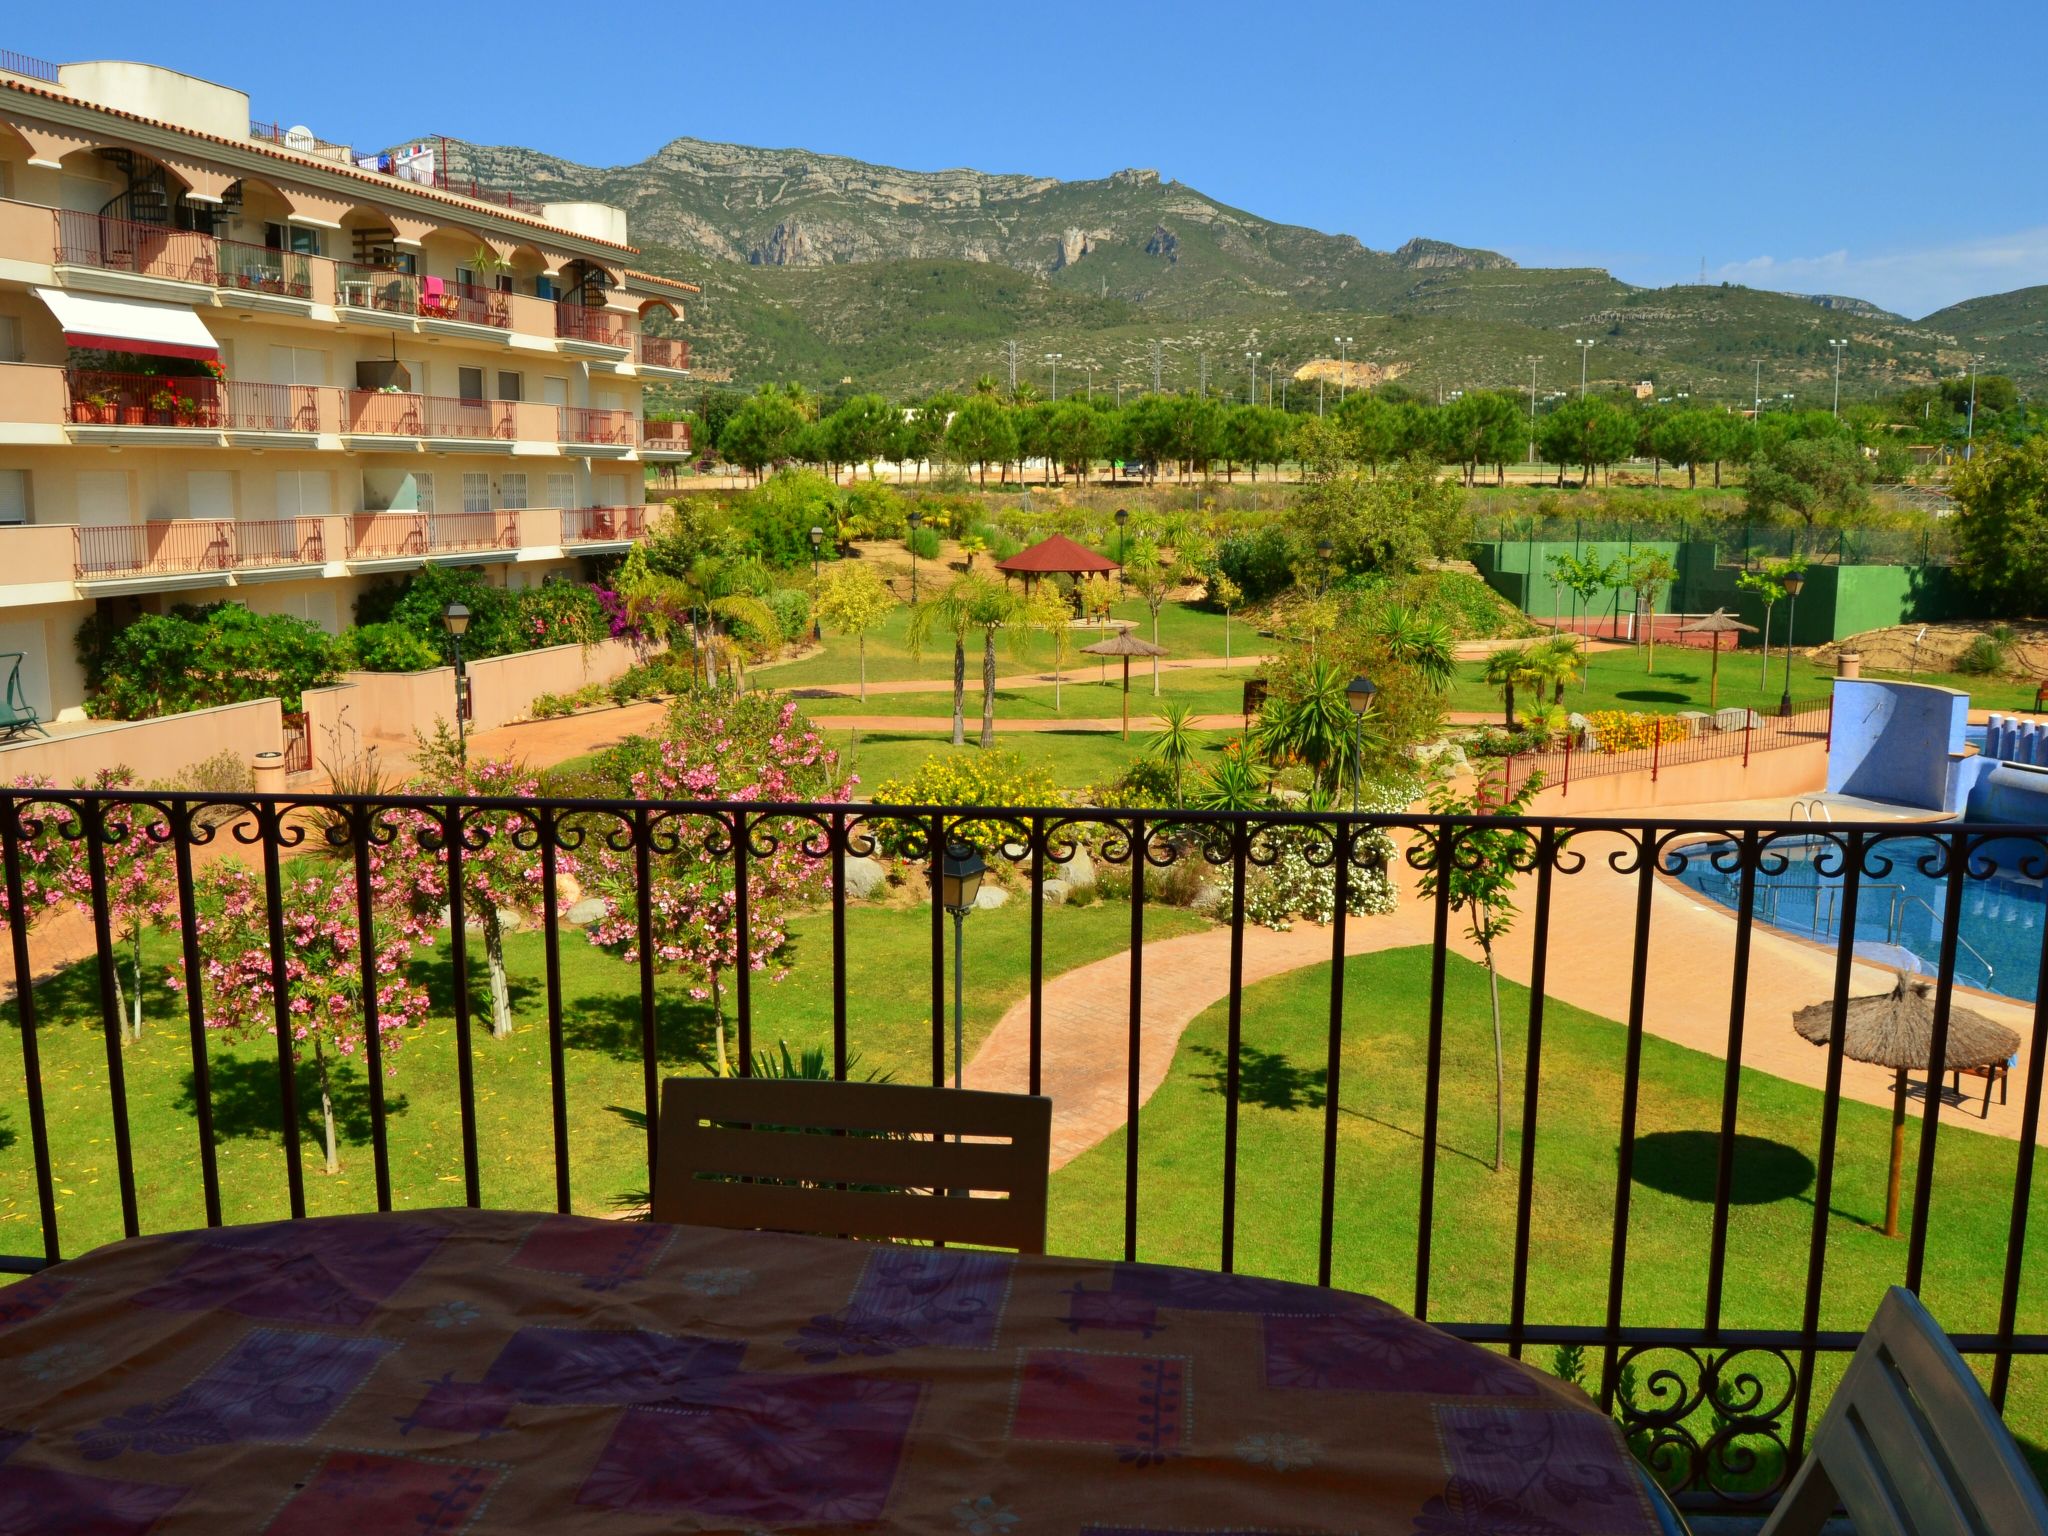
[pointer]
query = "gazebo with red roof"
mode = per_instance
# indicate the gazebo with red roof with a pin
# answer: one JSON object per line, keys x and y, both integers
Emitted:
{"x": 1056, "y": 556}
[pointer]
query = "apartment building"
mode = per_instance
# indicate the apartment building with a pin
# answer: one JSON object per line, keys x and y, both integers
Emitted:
{"x": 239, "y": 361}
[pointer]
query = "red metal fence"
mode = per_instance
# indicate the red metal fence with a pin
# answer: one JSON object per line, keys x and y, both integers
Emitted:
{"x": 587, "y": 424}
{"x": 143, "y": 399}
{"x": 260, "y": 269}
{"x": 1758, "y": 733}
{"x": 585, "y": 322}
{"x": 663, "y": 352}
{"x": 387, "y": 535}
{"x": 280, "y": 541}
{"x": 603, "y": 525}
{"x": 119, "y": 245}
{"x": 298, "y": 745}
{"x": 674, "y": 436}
{"x": 251, "y": 407}
{"x": 442, "y": 299}
{"x": 472, "y": 530}
{"x": 383, "y": 288}
{"x": 184, "y": 546}
{"x": 384, "y": 413}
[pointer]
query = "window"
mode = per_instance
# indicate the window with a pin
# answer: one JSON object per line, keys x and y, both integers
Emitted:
{"x": 611, "y": 490}
{"x": 210, "y": 493}
{"x": 423, "y": 488}
{"x": 512, "y": 491}
{"x": 504, "y": 284}
{"x": 561, "y": 490}
{"x": 13, "y": 496}
{"x": 298, "y": 365}
{"x": 469, "y": 383}
{"x": 476, "y": 492}
{"x": 302, "y": 493}
{"x": 511, "y": 386}
{"x": 10, "y": 339}
{"x": 465, "y": 278}
{"x": 554, "y": 391}
{"x": 397, "y": 490}
{"x": 290, "y": 237}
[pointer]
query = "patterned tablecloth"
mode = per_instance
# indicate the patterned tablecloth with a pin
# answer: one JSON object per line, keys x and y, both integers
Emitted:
{"x": 441, "y": 1371}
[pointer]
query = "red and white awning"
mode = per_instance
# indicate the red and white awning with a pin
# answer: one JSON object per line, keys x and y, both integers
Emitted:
{"x": 130, "y": 325}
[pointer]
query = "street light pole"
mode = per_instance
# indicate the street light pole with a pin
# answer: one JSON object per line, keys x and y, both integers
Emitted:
{"x": 1252, "y": 367}
{"x": 1344, "y": 374}
{"x": 915, "y": 522}
{"x": 1585, "y": 351}
{"x": 958, "y": 883}
{"x": 1840, "y": 347}
{"x": 1054, "y": 359}
{"x": 455, "y": 617}
{"x": 817, "y": 540}
{"x": 1532, "y": 412}
{"x": 1359, "y": 695}
{"x": 1793, "y": 583}
{"x": 1757, "y": 413}
{"x": 1970, "y": 426}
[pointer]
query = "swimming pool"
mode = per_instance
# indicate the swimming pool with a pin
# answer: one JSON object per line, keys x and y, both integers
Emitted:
{"x": 1898, "y": 914}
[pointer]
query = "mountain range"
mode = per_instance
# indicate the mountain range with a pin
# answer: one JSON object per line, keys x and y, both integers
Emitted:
{"x": 833, "y": 271}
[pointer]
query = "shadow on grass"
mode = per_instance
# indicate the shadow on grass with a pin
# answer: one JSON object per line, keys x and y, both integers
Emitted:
{"x": 244, "y": 1092}
{"x": 610, "y": 1025}
{"x": 435, "y": 970}
{"x": 7, "y": 1134}
{"x": 1269, "y": 1080}
{"x": 1652, "y": 695}
{"x": 1684, "y": 1163}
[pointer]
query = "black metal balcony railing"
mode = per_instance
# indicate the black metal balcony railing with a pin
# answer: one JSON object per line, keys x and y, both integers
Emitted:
{"x": 1710, "y": 1372}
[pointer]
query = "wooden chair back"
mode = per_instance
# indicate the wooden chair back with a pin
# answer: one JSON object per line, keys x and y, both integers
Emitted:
{"x": 1910, "y": 1445}
{"x": 873, "y": 1160}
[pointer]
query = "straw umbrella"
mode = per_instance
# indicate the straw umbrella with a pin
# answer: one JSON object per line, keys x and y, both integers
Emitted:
{"x": 1896, "y": 1030}
{"x": 1125, "y": 644}
{"x": 1718, "y": 623}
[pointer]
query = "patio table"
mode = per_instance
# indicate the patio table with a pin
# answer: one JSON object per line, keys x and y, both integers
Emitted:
{"x": 459, "y": 1370}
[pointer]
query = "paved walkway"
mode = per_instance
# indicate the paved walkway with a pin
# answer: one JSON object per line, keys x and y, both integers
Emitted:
{"x": 1690, "y": 985}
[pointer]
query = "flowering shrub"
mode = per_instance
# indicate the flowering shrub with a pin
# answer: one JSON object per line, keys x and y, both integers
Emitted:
{"x": 721, "y": 747}
{"x": 47, "y": 859}
{"x": 1630, "y": 730}
{"x": 1291, "y": 886}
{"x": 322, "y": 968}
{"x": 967, "y": 779}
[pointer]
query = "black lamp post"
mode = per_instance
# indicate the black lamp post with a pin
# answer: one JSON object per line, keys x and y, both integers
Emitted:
{"x": 1325, "y": 552}
{"x": 455, "y": 618}
{"x": 1122, "y": 518}
{"x": 916, "y": 521}
{"x": 1359, "y": 695}
{"x": 959, "y": 882}
{"x": 1792, "y": 583}
{"x": 817, "y": 540}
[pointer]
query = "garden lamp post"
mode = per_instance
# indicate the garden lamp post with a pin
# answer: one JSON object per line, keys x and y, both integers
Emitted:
{"x": 960, "y": 872}
{"x": 1792, "y": 582}
{"x": 916, "y": 521}
{"x": 455, "y": 617}
{"x": 817, "y": 542}
{"x": 1325, "y": 553}
{"x": 1359, "y": 695}
{"x": 1122, "y": 517}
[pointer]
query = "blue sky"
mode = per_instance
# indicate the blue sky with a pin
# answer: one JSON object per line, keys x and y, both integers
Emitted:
{"x": 1889, "y": 151}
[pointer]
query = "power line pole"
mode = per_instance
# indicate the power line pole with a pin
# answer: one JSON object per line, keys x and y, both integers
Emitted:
{"x": 1013, "y": 366}
{"x": 1272, "y": 369}
{"x": 1840, "y": 347}
{"x": 1757, "y": 408}
{"x": 1155, "y": 367}
{"x": 1532, "y": 411}
{"x": 1970, "y": 427}
{"x": 1204, "y": 390}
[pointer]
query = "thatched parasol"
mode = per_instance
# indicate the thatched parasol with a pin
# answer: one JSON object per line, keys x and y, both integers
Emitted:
{"x": 1718, "y": 623}
{"x": 1125, "y": 644}
{"x": 1896, "y": 1030}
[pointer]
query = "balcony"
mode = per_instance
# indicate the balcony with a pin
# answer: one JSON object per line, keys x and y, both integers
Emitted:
{"x": 604, "y": 525}
{"x": 388, "y": 414}
{"x": 454, "y": 304}
{"x": 417, "y": 536}
{"x": 590, "y": 427}
{"x": 670, "y": 439}
{"x": 107, "y": 407}
{"x": 662, "y": 353}
{"x": 124, "y": 552}
{"x": 1688, "y": 1229}
{"x": 378, "y": 295}
{"x": 585, "y": 325}
{"x": 144, "y": 251}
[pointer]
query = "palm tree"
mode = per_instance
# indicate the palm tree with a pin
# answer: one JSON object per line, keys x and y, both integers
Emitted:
{"x": 1555, "y": 662}
{"x": 1504, "y": 670}
{"x": 974, "y": 601}
{"x": 1424, "y": 643}
{"x": 1315, "y": 727}
{"x": 1175, "y": 742}
{"x": 1231, "y": 783}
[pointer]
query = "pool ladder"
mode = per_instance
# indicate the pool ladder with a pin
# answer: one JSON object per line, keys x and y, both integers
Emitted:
{"x": 1815, "y": 809}
{"x": 1827, "y": 898}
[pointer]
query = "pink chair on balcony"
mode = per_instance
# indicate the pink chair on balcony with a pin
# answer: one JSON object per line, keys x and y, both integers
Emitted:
{"x": 434, "y": 298}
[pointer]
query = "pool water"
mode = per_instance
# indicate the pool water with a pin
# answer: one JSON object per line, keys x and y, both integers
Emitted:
{"x": 1898, "y": 914}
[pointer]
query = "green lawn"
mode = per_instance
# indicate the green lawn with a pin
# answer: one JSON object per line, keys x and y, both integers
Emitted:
{"x": 1075, "y": 759}
{"x": 1088, "y": 691}
{"x": 1379, "y": 1160}
{"x": 889, "y": 1023}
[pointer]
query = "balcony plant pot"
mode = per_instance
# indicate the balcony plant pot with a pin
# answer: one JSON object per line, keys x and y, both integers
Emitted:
{"x": 134, "y": 415}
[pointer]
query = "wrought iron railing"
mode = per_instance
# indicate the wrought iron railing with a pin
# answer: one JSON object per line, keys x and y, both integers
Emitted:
{"x": 23, "y": 64}
{"x": 1722, "y": 1411}
{"x": 264, "y": 269}
{"x": 586, "y": 322}
{"x": 387, "y": 413}
{"x": 670, "y": 436}
{"x": 662, "y": 351}
{"x": 100, "y": 398}
{"x": 377, "y": 288}
{"x": 387, "y": 535}
{"x": 594, "y": 425}
{"x": 473, "y": 530}
{"x": 603, "y": 525}
{"x": 1723, "y": 736}
{"x": 149, "y": 250}
{"x": 446, "y": 299}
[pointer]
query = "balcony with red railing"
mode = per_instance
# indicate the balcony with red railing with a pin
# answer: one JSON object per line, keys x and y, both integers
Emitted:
{"x": 387, "y": 535}
{"x": 247, "y": 406}
{"x": 445, "y": 299}
{"x": 662, "y": 352}
{"x": 99, "y": 398}
{"x": 603, "y": 525}
{"x": 386, "y": 413}
{"x": 194, "y": 546}
{"x": 147, "y": 250}
{"x": 261, "y": 269}
{"x": 275, "y": 541}
{"x": 665, "y": 436}
{"x": 380, "y": 289}
{"x": 586, "y": 322}
{"x": 449, "y": 532}
{"x": 595, "y": 426}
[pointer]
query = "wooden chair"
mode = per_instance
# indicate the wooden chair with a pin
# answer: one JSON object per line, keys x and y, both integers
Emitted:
{"x": 1996, "y": 1072}
{"x": 1910, "y": 1445}
{"x": 854, "y": 1160}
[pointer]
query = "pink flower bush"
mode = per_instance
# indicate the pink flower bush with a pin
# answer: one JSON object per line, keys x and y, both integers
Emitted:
{"x": 722, "y": 748}
{"x": 47, "y": 857}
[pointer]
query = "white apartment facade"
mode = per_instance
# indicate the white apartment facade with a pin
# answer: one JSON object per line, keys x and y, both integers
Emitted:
{"x": 241, "y": 363}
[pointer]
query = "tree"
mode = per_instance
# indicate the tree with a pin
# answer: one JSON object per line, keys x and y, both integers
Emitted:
{"x": 1046, "y": 611}
{"x": 925, "y": 436}
{"x": 1176, "y": 742}
{"x": 1480, "y": 427}
{"x": 2002, "y": 525}
{"x": 716, "y": 748}
{"x": 195, "y": 657}
{"x": 1314, "y": 725}
{"x": 501, "y": 861}
{"x": 974, "y": 601}
{"x": 1556, "y": 661}
{"x": 1376, "y": 429}
{"x": 1391, "y": 525}
{"x": 1478, "y": 879}
{"x": 981, "y": 433}
{"x": 1100, "y": 592}
{"x": 1423, "y": 643}
{"x": 1074, "y": 436}
{"x": 322, "y": 970}
{"x": 1225, "y": 594}
{"x": 1815, "y": 479}
{"x": 763, "y": 431}
{"x": 1507, "y": 669}
{"x": 853, "y": 600}
{"x": 136, "y": 856}
{"x": 1688, "y": 437}
{"x": 1149, "y": 573}
{"x": 1769, "y": 586}
{"x": 859, "y": 431}
{"x": 1589, "y": 432}
{"x": 1648, "y": 575}
{"x": 1255, "y": 435}
{"x": 1585, "y": 577}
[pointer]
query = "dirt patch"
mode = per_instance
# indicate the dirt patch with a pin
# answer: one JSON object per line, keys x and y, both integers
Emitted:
{"x": 1939, "y": 646}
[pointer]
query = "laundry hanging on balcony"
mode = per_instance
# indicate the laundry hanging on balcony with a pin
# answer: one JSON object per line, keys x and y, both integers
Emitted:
{"x": 130, "y": 325}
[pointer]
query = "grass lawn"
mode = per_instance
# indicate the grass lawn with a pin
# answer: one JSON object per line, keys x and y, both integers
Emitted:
{"x": 1076, "y": 759}
{"x": 889, "y": 1024}
{"x": 1184, "y": 630}
{"x": 1379, "y": 1160}
{"x": 1089, "y": 691}
{"x": 1616, "y": 679}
